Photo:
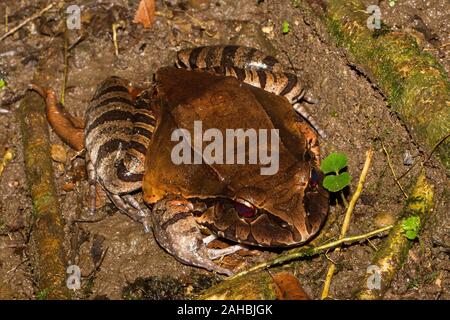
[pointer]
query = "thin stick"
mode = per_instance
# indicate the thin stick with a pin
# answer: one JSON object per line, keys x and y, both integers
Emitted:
{"x": 344, "y": 201}
{"x": 116, "y": 44}
{"x": 308, "y": 251}
{"x": 34, "y": 16}
{"x": 392, "y": 170}
{"x": 348, "y": 215}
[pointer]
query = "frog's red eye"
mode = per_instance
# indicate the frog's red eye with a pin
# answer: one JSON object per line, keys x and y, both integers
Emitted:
{"x": 244, "y": 210}
{"x": 314, "y": 178}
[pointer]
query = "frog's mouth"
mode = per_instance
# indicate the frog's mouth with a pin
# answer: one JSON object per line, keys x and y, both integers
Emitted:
{"x": 241, "y": 221}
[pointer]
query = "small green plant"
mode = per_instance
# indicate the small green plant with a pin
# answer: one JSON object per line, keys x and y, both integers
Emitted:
{"x": 2, "y": 83}
{"x": 285, "y": 27}
{"x": 296, "y": 3}
{"x": 331, "y": 166}
{"x": 334, "y": 113}
{"x": 43, "y": 294}
{"x": 411, "y": 227}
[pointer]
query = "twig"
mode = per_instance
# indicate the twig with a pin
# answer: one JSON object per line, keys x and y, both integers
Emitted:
{"x": 392, "y": 170}
{"x": 49, "y": 261}
{"x": 34, "y": 16}
{"x": 11, "y": 100}
{"x": 308, "y": 251}
{"x": 115, "y": 26}
{"x": 348, "y": 215}
{"x": 344, "y": 201}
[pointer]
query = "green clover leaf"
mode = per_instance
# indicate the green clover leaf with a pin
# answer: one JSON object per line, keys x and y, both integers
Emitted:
{"x": 334, "y": 163}
{"x": 335, "y": 183}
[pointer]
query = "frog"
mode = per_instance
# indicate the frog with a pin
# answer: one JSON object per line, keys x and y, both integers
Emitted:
{"x": 128, "y": 135}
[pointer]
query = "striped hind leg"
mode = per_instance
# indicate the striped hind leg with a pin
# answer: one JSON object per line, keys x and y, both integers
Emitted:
{"x": 125, "y": 203}
{"x": 253, "y": 67}
{"x": 116, "y": 142}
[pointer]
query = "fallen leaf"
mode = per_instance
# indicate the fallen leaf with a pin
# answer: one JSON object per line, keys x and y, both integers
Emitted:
{"x": 58, "y": 153}
{"x": 288, "y": 287}
{"x": 145, "y": 13}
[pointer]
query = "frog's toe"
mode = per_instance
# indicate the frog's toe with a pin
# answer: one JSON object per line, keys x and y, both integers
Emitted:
{"x": 132, "y": 208}
{"x": 219, "y": 253}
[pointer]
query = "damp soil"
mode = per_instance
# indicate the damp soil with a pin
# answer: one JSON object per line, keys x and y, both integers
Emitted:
{"x": 117, "y": 259}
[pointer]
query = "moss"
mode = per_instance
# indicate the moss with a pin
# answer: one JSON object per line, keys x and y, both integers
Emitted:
{"x": 415, "y": 84}
{"x": 394, "y": 249}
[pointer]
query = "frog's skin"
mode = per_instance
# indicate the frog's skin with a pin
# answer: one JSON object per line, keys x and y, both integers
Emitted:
{"x": 128, "y": 146}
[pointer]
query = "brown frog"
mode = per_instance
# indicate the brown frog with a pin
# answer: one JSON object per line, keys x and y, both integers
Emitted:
{"x": 131, "y": 140}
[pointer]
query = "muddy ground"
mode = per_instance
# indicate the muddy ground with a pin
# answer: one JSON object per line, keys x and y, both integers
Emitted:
{"x": 116, "y": 258}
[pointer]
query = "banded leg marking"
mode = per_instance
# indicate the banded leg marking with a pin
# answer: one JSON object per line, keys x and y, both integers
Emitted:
{"x": 305, "y": 114}
{"x": 253, "y": 67}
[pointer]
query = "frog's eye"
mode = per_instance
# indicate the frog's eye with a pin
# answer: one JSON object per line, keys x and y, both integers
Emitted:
{"x": 314, "y": 178}
{"x": 244, "y": 209}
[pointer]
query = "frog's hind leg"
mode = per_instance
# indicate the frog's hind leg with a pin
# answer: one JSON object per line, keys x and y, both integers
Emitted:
{"x": 132, "y": 208}
{"x": 305, "y": 114}
{"x": 250, "y": 66}
{"x": 117, "y": 136}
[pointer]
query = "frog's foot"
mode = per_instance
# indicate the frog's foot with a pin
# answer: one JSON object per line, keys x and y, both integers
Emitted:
{"x": 305, "y": 114}
{"x": 126, "y": 203}
{"x": 132, "y": 208}
{"x": 176, "y": 230}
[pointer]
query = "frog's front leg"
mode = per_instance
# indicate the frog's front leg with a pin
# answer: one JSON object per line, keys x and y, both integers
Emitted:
{"x": 177, "y": 231}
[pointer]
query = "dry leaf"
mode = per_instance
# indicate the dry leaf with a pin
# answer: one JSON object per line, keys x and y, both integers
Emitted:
{"x": 58, "y": 153}
{"x": 288, "y": 287}
{"x": 145, "y": 14}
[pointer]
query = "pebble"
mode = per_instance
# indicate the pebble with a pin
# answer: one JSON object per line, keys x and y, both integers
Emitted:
{"x": 408, "y": 159}
{"x": 383, "y": 219}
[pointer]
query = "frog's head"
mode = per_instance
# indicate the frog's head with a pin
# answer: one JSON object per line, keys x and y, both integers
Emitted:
{"x": 284, "y": 208}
